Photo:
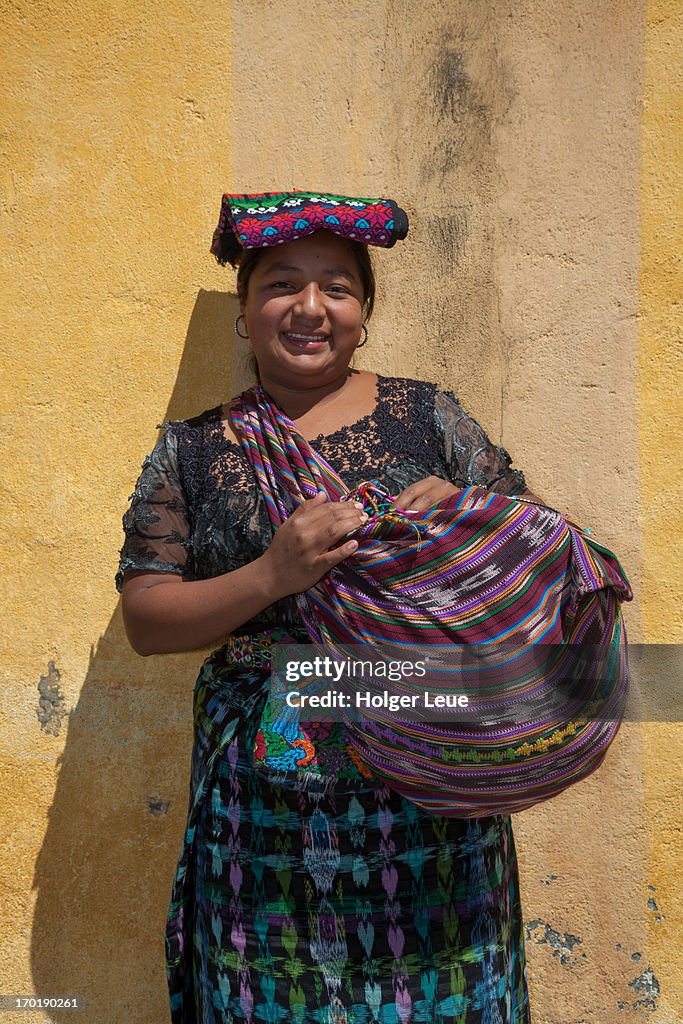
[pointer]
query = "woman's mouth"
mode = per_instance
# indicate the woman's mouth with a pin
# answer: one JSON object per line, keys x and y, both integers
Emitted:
{"x": 301, "y": 339}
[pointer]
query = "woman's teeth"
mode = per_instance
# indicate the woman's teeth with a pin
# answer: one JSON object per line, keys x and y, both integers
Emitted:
{"x": 306, "y": 337}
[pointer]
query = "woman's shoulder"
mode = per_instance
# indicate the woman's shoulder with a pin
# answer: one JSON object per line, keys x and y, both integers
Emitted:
{"x": 406, "y": 383}
{"x": 408, "y": 395}
{"x": 195, "y": 434}
{"x": 200, "y": 444}
{"x": 194, "y": 423}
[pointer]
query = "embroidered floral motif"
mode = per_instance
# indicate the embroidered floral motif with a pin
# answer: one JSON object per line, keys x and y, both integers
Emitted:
{"x": 269, "y": 218}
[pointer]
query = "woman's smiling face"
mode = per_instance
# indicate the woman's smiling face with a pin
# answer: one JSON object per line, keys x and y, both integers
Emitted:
{"x": 304, "y": 311}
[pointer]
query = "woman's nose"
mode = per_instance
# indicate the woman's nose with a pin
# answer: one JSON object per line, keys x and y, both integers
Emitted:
{"x": 309, "y": 301}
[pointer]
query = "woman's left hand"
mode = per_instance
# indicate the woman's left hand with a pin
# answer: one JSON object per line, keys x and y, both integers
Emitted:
{"x": 425, "y": 494}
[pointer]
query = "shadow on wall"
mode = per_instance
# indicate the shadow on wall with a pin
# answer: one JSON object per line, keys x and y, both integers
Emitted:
{"x": 104, "y": 873}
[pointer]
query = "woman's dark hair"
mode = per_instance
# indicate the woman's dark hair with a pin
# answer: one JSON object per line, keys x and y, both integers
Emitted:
{"x": 249, "y": 259}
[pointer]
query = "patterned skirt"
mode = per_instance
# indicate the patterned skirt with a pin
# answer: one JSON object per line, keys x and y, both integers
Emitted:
{"x": 331, "y": 903}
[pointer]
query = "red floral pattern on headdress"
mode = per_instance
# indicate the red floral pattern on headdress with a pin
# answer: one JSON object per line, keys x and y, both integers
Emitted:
{"x": 273, "y": 218}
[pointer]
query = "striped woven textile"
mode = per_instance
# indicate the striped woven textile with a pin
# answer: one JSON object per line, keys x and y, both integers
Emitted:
{"x": 511, "y": 602}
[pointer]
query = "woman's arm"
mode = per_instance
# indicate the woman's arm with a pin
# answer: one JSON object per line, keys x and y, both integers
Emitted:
{"x": 165, "y": 615}
{"x": 471, "y": 458}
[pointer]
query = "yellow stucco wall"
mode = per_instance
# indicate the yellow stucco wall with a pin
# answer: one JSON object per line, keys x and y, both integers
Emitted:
{"x": 533, "y": 146}
{"x": 660, "y": 346}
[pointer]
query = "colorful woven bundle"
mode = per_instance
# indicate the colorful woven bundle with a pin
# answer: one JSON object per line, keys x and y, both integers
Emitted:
{"x": 533, "y": 596}
{"x": 272, "y": 218}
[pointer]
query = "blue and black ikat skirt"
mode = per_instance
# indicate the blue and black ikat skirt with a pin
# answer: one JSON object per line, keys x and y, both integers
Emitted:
{"x": 308, "y": 899}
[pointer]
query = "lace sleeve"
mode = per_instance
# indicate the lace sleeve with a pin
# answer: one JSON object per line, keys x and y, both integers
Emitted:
{"x": 470, "y": 456}
{"x": 157, "y": 521}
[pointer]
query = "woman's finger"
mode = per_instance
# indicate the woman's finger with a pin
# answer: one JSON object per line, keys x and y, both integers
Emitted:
{"x": 323, "y": 527}
{"x": 318, "y": 499}
{"x": 409, "y": 495}
{"x": 421, "y": 503}
{"x": 336, "y": 555}
{"x": 424, "y": 494}
{"x": 414, "y": 493}
{"x": 321, "y": 500}
{"x": 339, "y": 525}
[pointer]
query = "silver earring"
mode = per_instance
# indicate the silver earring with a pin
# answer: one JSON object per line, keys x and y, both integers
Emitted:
{"x": 365, "y": 337}
{"x": 237, "y": 326}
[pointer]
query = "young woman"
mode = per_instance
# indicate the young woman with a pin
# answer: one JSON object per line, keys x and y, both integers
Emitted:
{"x": 306, "y": 891}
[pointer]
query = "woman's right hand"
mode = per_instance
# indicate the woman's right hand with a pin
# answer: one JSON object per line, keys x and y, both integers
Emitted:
{"x": 308, "y": 544}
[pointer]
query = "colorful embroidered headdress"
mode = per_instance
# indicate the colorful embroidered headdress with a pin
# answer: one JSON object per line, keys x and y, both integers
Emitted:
{"x": 272, "y": 218}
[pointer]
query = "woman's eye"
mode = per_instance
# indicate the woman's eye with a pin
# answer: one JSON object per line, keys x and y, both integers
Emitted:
{"x": 337, "y": 289}
{"x": 281, "y": 284}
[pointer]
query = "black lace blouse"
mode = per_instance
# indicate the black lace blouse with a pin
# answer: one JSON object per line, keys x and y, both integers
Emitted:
{"x": 196, "y": 509}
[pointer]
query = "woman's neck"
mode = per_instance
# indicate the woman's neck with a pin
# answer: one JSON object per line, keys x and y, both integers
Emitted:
{"x": 298, "y": 401}
{"x": 326, "y": 410}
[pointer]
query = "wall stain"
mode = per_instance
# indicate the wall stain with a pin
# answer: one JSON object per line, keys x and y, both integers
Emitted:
{"x": 562, "y": 945}
{"x": 157, "y": 806}
{"x": 448, "y": 237}
{"x": 449, "y": 95}
{"x": 51, "y": 705}
{"x": 646, "y": 986}
{"x": 652, "y": 905}
{"x": 449, "y": 84}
